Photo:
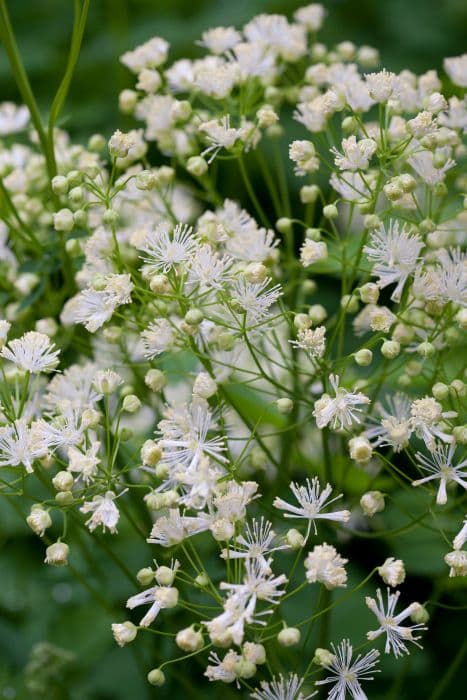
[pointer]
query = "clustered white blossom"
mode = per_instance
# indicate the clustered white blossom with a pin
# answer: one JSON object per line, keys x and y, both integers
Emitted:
{"x": 169, "y": 343}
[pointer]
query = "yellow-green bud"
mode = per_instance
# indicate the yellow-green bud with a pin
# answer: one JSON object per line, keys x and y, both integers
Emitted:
{"x": 156, "y": 677}
{"x": 284, "y": 405}
{"x": 289, "y": 636}
{"x": 363, "y": 357}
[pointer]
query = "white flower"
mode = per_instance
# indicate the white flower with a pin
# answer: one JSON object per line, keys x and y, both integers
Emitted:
{"x": 357, "y": 154}
{"x": 158, "y": 597}
{"x": 425, "y": 414}
{"x": 216, "y": 78}
{"x": 208, "y": 269}
{"x": 346, "y": 675}
{"x": 439, "y": 465}
{"x": 312, "y": 252}
{"x": 104, "y": 512}
{"x": 312, "y": 501}
{"x": 124, "y": 632}
{"x": 422, "y": 163}
{"x": 312, "y": 340}
{"x": 33, "y": 352}
{"x": 282, "y": 687}
{"x": 256, "y": 542}
{"x": 303, "y": 154}
{"x": 84, "y": 463}
{"x": 75, "y": 384}
{"x": 393, "y": 426}
{"x": 457, "y": 561}
{"x": 254, "y": 299}
{"x": 392, "y": 571}
{"x": 382, "y": 86}
{"x": 456, "y": 68}
{"x": 313, "y": 114}
{"x": 312, "y": 16}
{"x": 461, "y": 538}
{"x": 13, "y": 118}
{"x": 220, "y": 39}
{"x": 394, "y": 252}
{"x": 164, "y": 251}
{"x": 396, "y": 634}
{"x": 275, "y": 32}
{"x": 158, "y": 337}
{"x": 340, "y": 411}
{"x": 324, "y": 565}
{"x": 173, "y": 529}
{"x": 19, "y": 444}
{"x": 148, "y": 55}
{"x": 223, "y": 670}
{"x": 219, "y": 134}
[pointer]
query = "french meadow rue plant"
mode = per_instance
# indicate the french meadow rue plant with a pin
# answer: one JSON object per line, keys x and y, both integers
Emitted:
{"x": 136, "y": 269}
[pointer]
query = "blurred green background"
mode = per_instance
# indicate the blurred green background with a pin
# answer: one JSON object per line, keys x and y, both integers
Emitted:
{"x": 39, "y": 604}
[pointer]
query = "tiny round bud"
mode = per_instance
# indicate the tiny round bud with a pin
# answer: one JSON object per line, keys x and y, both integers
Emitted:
{"x": 57, "y": 554}
{"x": 96, "y": 143}
{"x": 350, "y": 125}
{"x": 63, "y": 220}
{"x": 330, "y": 211}
{"x": 194, "y": 317}
{"x": 60, "y": 184}
{"x": 90, "y": 418}
{"x": 392, "y": 571}
{"x": 256, "y": 272}
{"x": 202, "y": 580}
{"x": 111, "y": 217}
{"x": 323, "y": 657}
{"x": 159, "y": 284}
{"x": 255, "y": 653}
{"x": 284, "y": 225}
{"x": 226, "y": 341}
{"x": 372, "y": 502}
{"x": 63, "y": 481}
{"x": 363, "y": 357}
{"x": 124, "y": 632}
{"x": 156, "y": 677}
{"x": 146, "y": 180}
{"x": 440, "y": 391}
{"x": 295, "y": 539}
{"x": 145, "y": 576}
{"x": 309, "y": 194}
{"x": 222, "y": 530}
{"x": 165, "y": 576}
{"x": 197, "y": 166}
{"x": 426, "y": 349}
{"x": 244, "y": 669}
{"x": 369, "y": 293}
{"x": 289, "y": 636}
{"x": 73, "y": 247}
{"x": 371, "y": 222}
{"x": 284, "y": 405}
{"x": 317, "y": 313}
{"x": 204, "y": 386}
{"x": 131, "y": 403}
{"x": 189, "y": 640}
{"x": 64, "y": 498}
{"x": 420, "y": 614}
{"x": 181, "y": 110}
{"x": 155, "y": 379}
{"x": 349, "y": 303}
{"x": 302, "y": 321}
{"x": 125, "y": 434}
{"x": 459, "y": 434}
{"x": 127, "y": 100}
{"x": 458, "y": 388}
{"x": 390, "y": 349}
{"x": 313, "y": 234}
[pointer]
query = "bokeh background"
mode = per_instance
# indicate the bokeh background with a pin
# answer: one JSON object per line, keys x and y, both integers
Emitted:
{"x": 55, "y": 640}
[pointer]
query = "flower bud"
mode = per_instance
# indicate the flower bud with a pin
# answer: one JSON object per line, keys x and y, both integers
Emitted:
{"x": 197, "y": 166}
{"x": 127, "y": 100}
{"x": 289, "y": 636}
{"x": 440, "y": 391}
{"x": 124, "y": 632}
{"x": 295, "y": 539}
{"x": 323, "y": 657}
{"x": 59, "y": 184}
{"x": 39, "y": 520}
{"x": 330, "y": 211}
{"x": 222, "y": 530}
{"x": 426, "y": 349}
{"x": 317, "y": 313}
{"x": 349, "y": 303}
{"x": 363, "y": 357}
{"x": 150, "y": 453}
{"x": 202, "y": 580}
{"x": 302, "y": 321}
{"x": 458, "y": 388}
{"x": 204, "y": 386}
{"x": 459, "y": 434}
{"x": 390, "y": 349}
{"x": 111, "y": 217}
{"x": 256, "y": 272}
{"x": 284, "y": 225}
{"x": 63, "y": 220}
{"x": 244, "y": 669}
{"x": 360, "y": 449}
{"x": 64, "y": 498}
{"x": 369, "y": 293}
{"x": 107, "y": 381}
{"x": 309, "y": 194}
{"x": 420, "y": 614}
{"x": 63, "y": 481}
{"x": 255, "y": 653}
{"x": 392, "y": 571}
{"x": 57, "y": 554}
{"x": 131, "y": 403}
{"x": 145, "y": 576}
{"x": 284, "y": 405}
{"x": 155, "y": 380}
{"x": 156, "y": 677}
{"x": 372, "y": 502}
{"x": 165, "y": 576}
{"x": 189, "y": 639}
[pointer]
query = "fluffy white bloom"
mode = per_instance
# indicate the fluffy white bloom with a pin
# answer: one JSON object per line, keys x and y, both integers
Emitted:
{"x": 346, "y": 675}
{"x": 356, "y": 154}
{"x": 422, "y": 163}
{"x": 148, "y": 55}
{"x": 426, "y": 414}
{"x": 312, "y": 252}
{"x": 439, "y": 466}
{"x": 220, "y": 39}
{"x": 396, "y": 634}
{"x": 104, "y": 512}
{"x": 254, "y": 299}
{"x": 392, "y": 571}
{"x": 274, "y": 31}
{"x": 158, "y": 337}
{"x": 256, "y": 542}
{"x": 219, "y": 134}
{"x": 303, "y": 154}
{"x": 324, "y": 565}
{"x": 312, "y": 500}
{"x": 75, "y": 384}
{"x": 457, "y": 561}
{"x": 456, "y": 68}
{"x": 223, "y": 670}
{"x": 313, "y": 114}
{"x": 174, "y": 528}
{"x": 340, "y": 411}
{"x": 312, "y": 340}
{"x": 164, "y": 251}
{"x": 282, "y": 687}
{"x": 33, "y": 352}
{"x": 394, "y": 252}
{"x": 84, "y": 463}
{"x": 392, "y": 425}
{"x": 312, "y": 16}
{"x": 382, "y": 86}
{"x": 13, "y": 118}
